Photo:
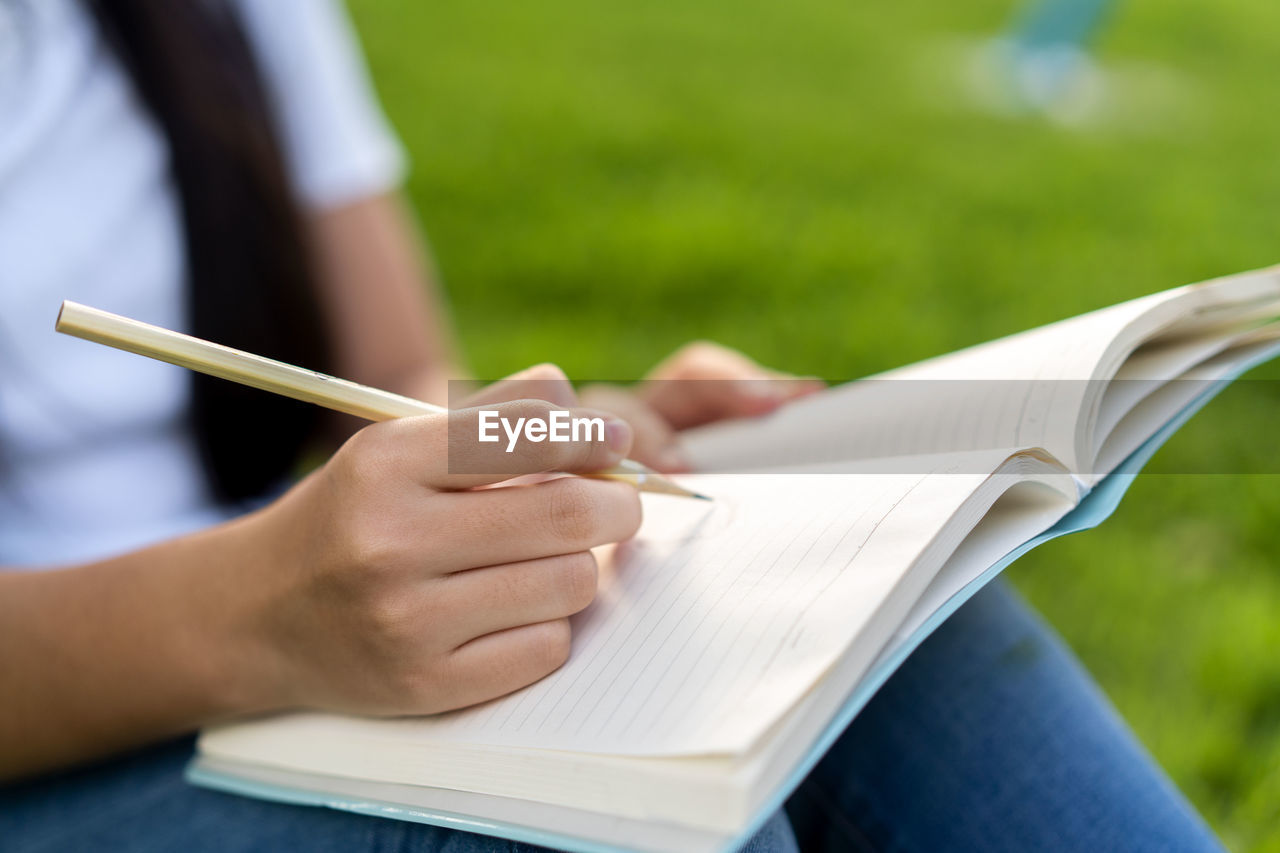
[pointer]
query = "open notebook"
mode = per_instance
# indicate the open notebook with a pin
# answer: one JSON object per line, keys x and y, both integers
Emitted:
{"x": 731, "y": 642}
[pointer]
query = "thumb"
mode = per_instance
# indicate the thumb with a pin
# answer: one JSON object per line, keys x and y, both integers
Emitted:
{"x": 540, "y": 382}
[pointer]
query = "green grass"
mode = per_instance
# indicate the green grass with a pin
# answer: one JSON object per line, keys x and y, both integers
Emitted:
{"x": 602, "y": 182}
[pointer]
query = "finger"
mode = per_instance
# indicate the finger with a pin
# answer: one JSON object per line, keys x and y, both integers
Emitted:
{"x": 686, "y": 403}
{"x": 499, "y": 663}
{"x": 750, "y": 397}
{"x": 507, "y": 596}
{"x": 705, "y": 382}
{"x": 656, "y": 443}
{"x": 488, "y": 444}
{"x": 513, "y": 524}
{"x": 540, "y": 382}
{"x": 794, "y": 387}
{"x": 707, "y": 360}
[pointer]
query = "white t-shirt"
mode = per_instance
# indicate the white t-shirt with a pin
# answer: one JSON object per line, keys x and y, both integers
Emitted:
{"x": 95, "y": 454}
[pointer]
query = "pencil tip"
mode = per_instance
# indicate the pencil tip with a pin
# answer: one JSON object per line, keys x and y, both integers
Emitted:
{"x": 700, "y": 497}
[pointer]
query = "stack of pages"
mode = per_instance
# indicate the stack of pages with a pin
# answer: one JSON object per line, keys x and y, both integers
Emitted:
{"x": 731, "y": 642}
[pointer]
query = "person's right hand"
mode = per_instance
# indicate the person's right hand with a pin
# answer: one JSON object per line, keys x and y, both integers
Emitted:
{"x": 399, "y": 587}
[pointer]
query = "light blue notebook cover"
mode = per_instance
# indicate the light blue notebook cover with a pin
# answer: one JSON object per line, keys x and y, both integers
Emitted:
{"x": 1091, "y": 511}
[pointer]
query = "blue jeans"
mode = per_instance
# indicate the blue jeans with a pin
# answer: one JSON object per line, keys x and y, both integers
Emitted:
{"x": 990, "y": 737}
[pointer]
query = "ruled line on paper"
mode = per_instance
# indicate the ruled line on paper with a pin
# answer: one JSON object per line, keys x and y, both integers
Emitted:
{"x": 656, "y": 640}
{"x": 704, "y": 621}
{"x": 675, "y": 692}
{"x": 638, "y": 621}
{"x": 707, "y": 627}
{"x": 798, "y": 617}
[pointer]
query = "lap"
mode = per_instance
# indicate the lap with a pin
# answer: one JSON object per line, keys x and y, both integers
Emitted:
{"x": 990, "y": 737}
{"x": 141, "y": 803}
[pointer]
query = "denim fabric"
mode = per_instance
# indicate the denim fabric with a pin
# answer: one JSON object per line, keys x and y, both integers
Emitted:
{"x": 991, "y": 737}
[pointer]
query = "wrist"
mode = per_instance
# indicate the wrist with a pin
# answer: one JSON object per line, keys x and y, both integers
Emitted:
{"x": 235, "y": 578}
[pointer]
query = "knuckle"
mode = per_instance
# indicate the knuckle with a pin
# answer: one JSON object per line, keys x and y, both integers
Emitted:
{"x": 701, "y": 349}
{"x": 528, "y": 408}
{"x": 362, "y": 464}
{"x": 393, "y": 451}
{"x": 392, "y": 621}
{"x": 367, "y": 446}
{"x": 371, "y": 550}
{"x": 573, "y": 511}
{"x": 419, "y": 689}
{"x": 546, "y": 371}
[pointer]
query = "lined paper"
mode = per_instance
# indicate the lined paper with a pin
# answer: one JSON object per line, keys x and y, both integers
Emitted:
{"x": 1034, "y": 389}
{"x": 1022, "y": 391}
{"x": 715, "y": 620}
{"x": 718, "y": 617}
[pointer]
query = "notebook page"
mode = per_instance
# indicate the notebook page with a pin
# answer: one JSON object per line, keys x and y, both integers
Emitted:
{"x": 1161, "y": 405}
{"x": 718, "y": 617}
{"x": 1028, "y": 389}
{"x": 1001, "y": 394}
{"x": 1153, "y": 366}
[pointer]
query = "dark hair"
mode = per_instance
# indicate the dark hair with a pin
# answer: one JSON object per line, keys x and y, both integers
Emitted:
{"x": 249, "y": 266}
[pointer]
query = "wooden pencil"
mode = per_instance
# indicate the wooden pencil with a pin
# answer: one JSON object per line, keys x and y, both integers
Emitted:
{"x": 267, "y": 374}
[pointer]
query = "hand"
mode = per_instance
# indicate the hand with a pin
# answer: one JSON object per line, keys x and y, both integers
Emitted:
{"x": 699, "y": 383}
{"x": 399, "y": 587}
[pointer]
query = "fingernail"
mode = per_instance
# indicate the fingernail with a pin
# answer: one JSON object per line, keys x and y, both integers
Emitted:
{"x": 617, "y": 434}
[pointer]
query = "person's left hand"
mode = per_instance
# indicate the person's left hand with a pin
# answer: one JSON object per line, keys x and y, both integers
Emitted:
{"x": 699, "y": 383}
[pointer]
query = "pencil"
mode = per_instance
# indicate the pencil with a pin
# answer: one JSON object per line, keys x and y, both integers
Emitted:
{"x": 287, "y": 380}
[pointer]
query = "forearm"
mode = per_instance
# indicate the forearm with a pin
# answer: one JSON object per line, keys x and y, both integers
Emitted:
{"x": 103, "y": 657}
{"x": 383, "y": 583}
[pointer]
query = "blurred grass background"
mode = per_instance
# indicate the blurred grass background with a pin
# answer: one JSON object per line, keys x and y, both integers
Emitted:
{"x": 603, "y": 182}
